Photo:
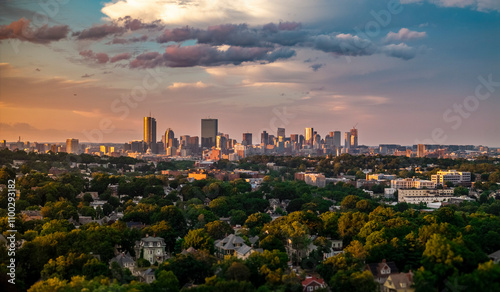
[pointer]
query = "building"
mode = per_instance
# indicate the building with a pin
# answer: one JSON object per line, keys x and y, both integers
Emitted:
{"x": 417, "y": 196}
{"x": 309, "y": 136}
{"x": 312, "y": 283}
{"x": 169, "y": 138}
{"x": 456, "y": 177}
{"x": 209, "y": 130}
{"x": 221, "y": 142}
{"x": 281, "y": 132}
{"x": 125, "y": 261}
{"x": 151, "y": 248}
{"x": 247, "y": 139}
{"x": 401, "y": 282}
{"x": 380, "y": 176}
{"x": 420, "y": 150}
{"x": 347, "y": 140}
{"x": 150, "y": 133}
{"x": 336, "y": 138}
{"x": 382, "y": 270}
{"x": 354, "y": 138}
{"x": 314, "y": 179}
{"x": 232, "y": 245}
{"x": 264, "y": 138}
{"x": 409, "y": 183}
{"x": 72, "y": 146}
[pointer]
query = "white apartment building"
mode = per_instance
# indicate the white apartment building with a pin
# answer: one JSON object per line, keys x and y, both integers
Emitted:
{"x": 453, "y": 176}
{"x": 416, "y": 196}
{"x": 409, "y": 183}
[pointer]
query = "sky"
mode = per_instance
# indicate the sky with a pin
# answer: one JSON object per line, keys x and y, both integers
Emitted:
{"x": 401, "y": 71}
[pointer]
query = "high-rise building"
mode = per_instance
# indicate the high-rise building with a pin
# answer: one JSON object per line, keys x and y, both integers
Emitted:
{"x": 72, "y": 146}
{"x": 221, "y": 142}
{"x": 150, "y": 133}
{"x": 169, "y": 138}
{"x": 347, "y": 140}
{"x": 194, "y": 142}
{"x": 281, "y": 132}
{"x": 420, "y": 150}
{"x": 3, "y": 144}
{"x": 209, "y": 130}
{"x": 184, "y": 141}
{"x": 354, "y": 138}
{"x": 336, "y": 138}
{"x": 264, "y": 138}
{"x": 247, "y": 139}
{"x": 309, "y": 136}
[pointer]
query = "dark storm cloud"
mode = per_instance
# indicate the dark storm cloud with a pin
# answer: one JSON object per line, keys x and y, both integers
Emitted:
{"x": 206, "y": 55}
{"x": 22, "y": 30}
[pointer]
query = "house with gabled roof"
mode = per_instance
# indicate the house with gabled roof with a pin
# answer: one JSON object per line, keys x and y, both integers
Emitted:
{"x": 400, "y": 282}
{"x": 152, "y": 249}
{"x": 233, "y": 245}
{"x": 382, "y": 270}
{"x": 312, "y": 283}
{"x": 125, "y": 261}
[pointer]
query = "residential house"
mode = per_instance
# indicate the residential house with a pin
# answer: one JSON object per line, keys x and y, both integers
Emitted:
{"x": 381, "y": 271}
{"x": 495, "y": 257}
{"x": 147, "y": 276}
{"x": 312, "y": 283}
{"x": 152, "y": 249}
{"x": 233, "y": 245}
{"x": 401, "y": 282}
{"x": 125, "y": 261}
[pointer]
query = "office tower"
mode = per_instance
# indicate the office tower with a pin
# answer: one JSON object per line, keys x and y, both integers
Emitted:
{"x": 184, "y": 142}
{"x": 309, "y": 136}
{"x": 347, "y": 140}
{"x": 3, "y": 144}
{"x": 221, "y": 142}
{"x": 150, "y": 133}
{"x": 336, "y": 138}
{"x": 420, "y": 150}
{"x": 72, "y": 146}
{"x": 294, "y": 138}
{"x": 354, "y": 138}
{"x": 103, "y": 149}
{"x": 247, "y": 139}
{"x": 281, "y": 132}
{"x": 169, "y": 138}
{"x": 264, "y": 139}
{"x": 194, "y": 142}
{"x": 209, "y": 130}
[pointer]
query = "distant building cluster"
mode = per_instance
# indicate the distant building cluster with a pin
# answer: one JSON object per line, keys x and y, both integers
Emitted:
{"x": 214, "y": 145}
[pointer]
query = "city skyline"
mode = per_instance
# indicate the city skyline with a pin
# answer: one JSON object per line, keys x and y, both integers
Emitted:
{"x": 407, "y": 72}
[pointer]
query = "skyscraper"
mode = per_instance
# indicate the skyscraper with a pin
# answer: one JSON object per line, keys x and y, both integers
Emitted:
{"x": 264, "y": 138}
{"x": 72, "y": 146}
{"x": 347, "y": 140}
{"x": 309, "y": 136}
{"x": 221, "y": 142}
{"x": 209, "y": 130}
{"x": 336, "y": 138}
{"x": 354, "y": 138}
{"x": 169, "y": 138}
{"x": 247, "y": 139}
{"x": 281, "y": 132}
{"x": 420, "y": 150}
{"x": 150, "y": 133}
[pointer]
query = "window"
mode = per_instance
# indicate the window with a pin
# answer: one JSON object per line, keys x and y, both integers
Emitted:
{"x": 310, "y": 288}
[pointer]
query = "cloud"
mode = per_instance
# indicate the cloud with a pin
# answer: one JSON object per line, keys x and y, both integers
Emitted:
{"x": 316, "y": 67}
{"x": 479, "y": 5}
{"x": 119, "y": 57}
{"x": 179, "y": 85}
{"x": 87, "y": 75}
{"x": 22, "y": 30}
{"x": 142, "y": 38}
{"x": 100, "y": 58}
{"x": 97, "y": 32}
{"x": 206, "y": 55}
{"x": 405, "y": 34}
{"x": 401, "y": 51}
{"x": 344, "y": 44}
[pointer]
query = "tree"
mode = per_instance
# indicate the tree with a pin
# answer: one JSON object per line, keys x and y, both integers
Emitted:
{"x": 198, "y": 239}
{"x": 61, "y": 209}
{"x": 349, "y": 202}
{"x": 238, "y": 217}
{"x": 165, "y": 281}
{"x": 256, "y": 221}
{"x": 218, "y": 229}
{"x": 237, "y": 271}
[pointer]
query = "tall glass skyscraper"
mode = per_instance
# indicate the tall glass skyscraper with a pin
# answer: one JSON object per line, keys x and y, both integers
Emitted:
{"x": 150, "y": 133}
{"x": 209, "y": 129}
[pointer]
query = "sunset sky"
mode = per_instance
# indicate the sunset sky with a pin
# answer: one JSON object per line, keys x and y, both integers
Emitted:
{"x": 404, "y": 71}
